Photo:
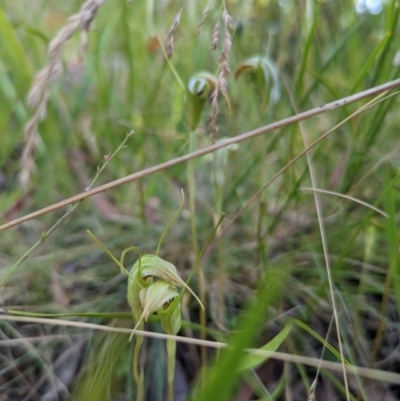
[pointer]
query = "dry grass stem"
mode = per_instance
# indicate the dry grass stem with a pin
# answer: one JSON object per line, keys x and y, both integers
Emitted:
{"x": 382, "y": 89}
{"x": 201, "y": 23}
{"x": 375, "y": 374}
{"x": 320, "y": 217}
{"x": 169, "y": 42}
{"x": 349, "y": 197}
{"x": 39, "y": 94}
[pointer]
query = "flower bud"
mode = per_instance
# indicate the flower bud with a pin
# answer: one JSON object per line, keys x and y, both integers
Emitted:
{"x": 156, "y": 297}
{"x": 171, "y": 317}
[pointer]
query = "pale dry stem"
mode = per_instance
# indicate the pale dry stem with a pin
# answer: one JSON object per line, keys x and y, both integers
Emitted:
{"x": 374, "y": 374}
{"x": 39, "y": 93}
{"x": 379, "y": 91}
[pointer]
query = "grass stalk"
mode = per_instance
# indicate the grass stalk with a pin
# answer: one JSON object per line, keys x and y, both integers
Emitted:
{"x": 318, "y": 208}
{"x": 210, "y": 149}
{"x": 218, "y": 202}
{"x": 191, "y": 179}
{"x": 139, "y": 377}
{"x": 71, "y": 208}
{"x": 171, "y": 351}
{"x": 274, "y": 263}
{"x": 373, "y": 374}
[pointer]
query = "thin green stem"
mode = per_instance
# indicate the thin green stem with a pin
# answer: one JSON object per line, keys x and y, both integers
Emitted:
{"x": 120, "y": 263}
{"x": 192, "y": 209}
{"x": 171, "y": 354}
{"x": 218, "y": 189}
{"x": 171, "y": 66}
{"x": 125, "y": 251}
{"x": 192, "y": 193}
{"x": 384, "y": 88}
{"x": 171, "y": 222}
{"x": 142, "y": 200}
{"x": 71, "y": 208}
{"x": 221, "y": 281}
{"x": 205, "y": 246}
{"x": 138, "y": 346}
{"x": 102, "y": 246}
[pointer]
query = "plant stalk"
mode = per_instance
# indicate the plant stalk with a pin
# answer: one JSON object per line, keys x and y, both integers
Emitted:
{"x": 192, "y": 209}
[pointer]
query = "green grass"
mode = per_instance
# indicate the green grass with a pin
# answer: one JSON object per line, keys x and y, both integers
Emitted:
{"x": 271, "y": 257}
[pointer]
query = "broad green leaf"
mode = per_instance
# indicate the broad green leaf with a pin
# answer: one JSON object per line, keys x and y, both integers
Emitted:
{"x": 266, "y": 76}
{"x": 221, "y": 378}
{"x": 12, "y": 50}
{"x": 252, "y": 361}
{"x": 38, "y": 33}
{"x": 306, "y": 50}
{"x": 368, "y": 64}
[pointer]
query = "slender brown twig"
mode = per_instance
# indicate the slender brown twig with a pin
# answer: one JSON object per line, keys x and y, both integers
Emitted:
{"x": 47, "y": 233}
{"x": 375, "y": 374}
{"x": 201, "y": 152}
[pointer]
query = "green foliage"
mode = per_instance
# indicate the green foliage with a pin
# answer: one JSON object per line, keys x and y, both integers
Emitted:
{"x": 285, "y": 55}
{"x": 253, "y": 361}
{"x": 221, "y": 378}
{"x": 97, "y": 383}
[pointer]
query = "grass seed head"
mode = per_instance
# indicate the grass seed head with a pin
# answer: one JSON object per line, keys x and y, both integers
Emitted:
{"x": 154, "y": 297}
{"x": 169, "y": 42}
{"x": 39, "y": 94}
{"x": 202, "y": 20}
{"x": 215, "y": 37}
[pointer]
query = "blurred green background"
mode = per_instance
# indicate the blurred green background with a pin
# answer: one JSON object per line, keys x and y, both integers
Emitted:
{"x": 286, "y": 56}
